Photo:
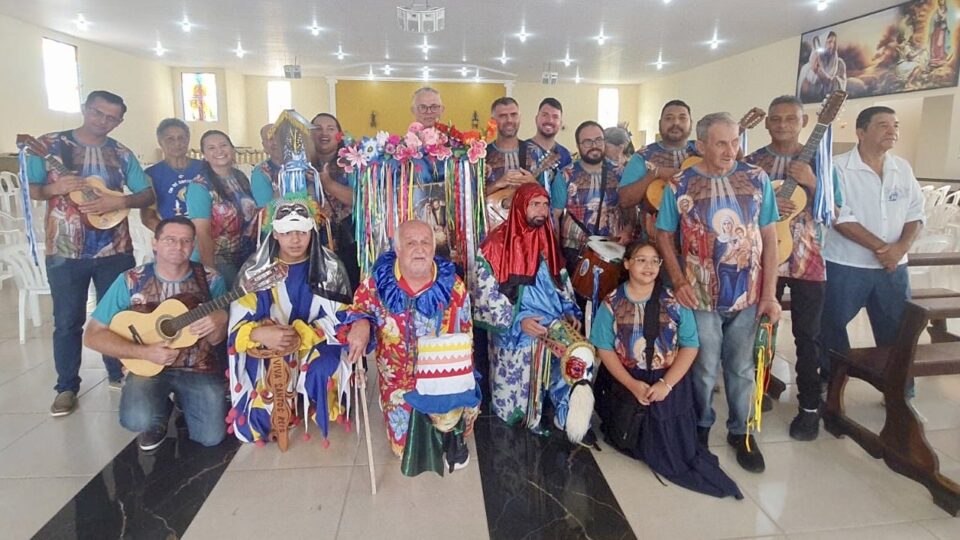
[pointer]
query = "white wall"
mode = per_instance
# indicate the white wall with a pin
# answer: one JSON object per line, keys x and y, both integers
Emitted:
{"x": 310, "y": 96}
{"x": 144, "y": 85}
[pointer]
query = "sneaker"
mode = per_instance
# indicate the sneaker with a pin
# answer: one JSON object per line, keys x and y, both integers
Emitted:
{"x": 703, "y": 435}
{"x": 805, "y": 426}
{"x": 64, "y": 404}
{"x": 750, "y": 459}
{"x": 458, "y": 455}
{"x": 766, "y": 403}
{"x": 150, "y": 440}
{"x": 116, "y": 385}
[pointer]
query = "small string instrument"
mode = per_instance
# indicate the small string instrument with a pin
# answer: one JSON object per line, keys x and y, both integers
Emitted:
{"x": 94, "y": 189}
{"x": 787, "y": 188}
{"x": 498, "y": 202}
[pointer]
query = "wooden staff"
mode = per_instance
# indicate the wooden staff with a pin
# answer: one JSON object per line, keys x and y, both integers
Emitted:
{"x": 360, "y": 379}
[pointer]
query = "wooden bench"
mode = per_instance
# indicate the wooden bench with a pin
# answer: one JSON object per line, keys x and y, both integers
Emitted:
{"x": 937, "y": 330}
{"x": 901, "y": 443}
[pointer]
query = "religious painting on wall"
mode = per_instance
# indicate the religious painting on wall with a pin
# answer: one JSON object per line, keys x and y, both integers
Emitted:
{"x": 199, "y": 91}
{"x": 904, "y": 48}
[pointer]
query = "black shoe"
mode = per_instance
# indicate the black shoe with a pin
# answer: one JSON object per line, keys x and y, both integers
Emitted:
{"x": 751, "y": 460}
{"x": 703, "y": 435}
{"x": 805, "y": 426}
{"x": 458, "y": 455}
{"x": 151, "y": 440}
{"x": 590, "y": 440}
{"x": 766, "y": 403}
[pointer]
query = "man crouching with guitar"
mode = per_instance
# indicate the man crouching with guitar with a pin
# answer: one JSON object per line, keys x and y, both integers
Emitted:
{"x": 194, "y": 374}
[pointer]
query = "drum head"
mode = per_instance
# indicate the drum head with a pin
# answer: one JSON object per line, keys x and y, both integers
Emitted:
{"x": 608, "y": 250}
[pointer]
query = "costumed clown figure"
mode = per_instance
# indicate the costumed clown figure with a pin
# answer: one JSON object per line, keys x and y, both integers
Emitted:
{"x": 415, "y": 312}
{"x": 303, "y": 308}
{"x": 523, "y": 293}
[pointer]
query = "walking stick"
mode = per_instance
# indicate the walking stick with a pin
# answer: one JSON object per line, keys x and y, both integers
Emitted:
{"x": 360, "y": 375}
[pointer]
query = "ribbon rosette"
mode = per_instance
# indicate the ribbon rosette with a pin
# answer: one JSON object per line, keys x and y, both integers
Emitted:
{"x": 477, "y": 151}
{"x": 350, "y": 157}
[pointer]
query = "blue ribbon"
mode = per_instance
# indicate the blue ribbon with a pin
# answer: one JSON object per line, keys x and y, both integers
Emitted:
{"x": 823, "y": 203}
{"x": 27, "y": 207}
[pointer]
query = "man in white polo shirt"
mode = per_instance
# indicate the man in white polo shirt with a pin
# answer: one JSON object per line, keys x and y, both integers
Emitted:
{"x": 866, "y": 252}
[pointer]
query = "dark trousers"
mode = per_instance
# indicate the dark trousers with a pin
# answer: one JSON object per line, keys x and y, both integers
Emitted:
{"x": 806, "y": 309}
{"x": 69, "y": 282}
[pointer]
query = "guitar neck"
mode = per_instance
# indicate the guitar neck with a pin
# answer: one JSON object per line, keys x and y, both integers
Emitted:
{"x": 201, "y": 311}
{"x": 55, "y": 164}
{"x": 810, "y": 148}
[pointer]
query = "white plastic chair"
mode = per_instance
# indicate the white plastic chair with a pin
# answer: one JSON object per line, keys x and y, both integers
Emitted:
{"x": 928, "y": 243}
{"x": 935, "y": 197}
{"x": 953, "y": 198}
{"x": 31, "y": 282}
{"x": 943, "y": 219}
{"x": 10, "y": 194}
{"x": 141, "y": 236}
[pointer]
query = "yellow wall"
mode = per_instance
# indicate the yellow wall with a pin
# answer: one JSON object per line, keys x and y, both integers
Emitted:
{"x": 392, "y": 100}
{"x": 579, "y": 104}
{"x": 144, "y": 85}
{"x": 753, "y": 78}
{"x": 309, "y": 96}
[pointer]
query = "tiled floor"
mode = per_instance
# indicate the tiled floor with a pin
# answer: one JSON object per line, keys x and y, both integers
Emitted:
{"x": 827, "y": 489}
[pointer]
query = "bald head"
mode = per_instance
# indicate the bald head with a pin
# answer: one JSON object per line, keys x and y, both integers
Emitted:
{"x": 415, "y": 248}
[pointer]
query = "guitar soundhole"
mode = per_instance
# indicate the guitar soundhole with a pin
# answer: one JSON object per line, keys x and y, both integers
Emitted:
{"x": 167, "y": 329}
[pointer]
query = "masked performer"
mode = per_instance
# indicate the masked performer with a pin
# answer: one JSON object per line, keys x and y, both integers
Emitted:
{"x": 303, "y": 308}
{"x": 522, "y": 289}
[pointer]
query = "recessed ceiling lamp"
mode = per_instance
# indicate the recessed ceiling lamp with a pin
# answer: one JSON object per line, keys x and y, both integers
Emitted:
{"x": 666, "y": 1}
{"x": 523, "y": 35}
{"x": 476, "y": 75}
{"x": 464, "y": 71}
{"x": 81, "y": 23}
{"x": 159, "y": 49}
{"x": 420, "y": 18}
{"x": 426, "y": 73}
{"x": 185, "y": 24}
{"x": 503, "y": 57}
{"x": 577, "y": 79}
{"x": 387, "y": 70}
{"x": 601, "y": 39}
{"x": 659, "y": 63}
{"x": 567, "y": 60}
{"x": 315, "y": 29}
{"x": 340, "y": 54}
{"x": 715, "y": 43}
{"x": 239, "y": 50}
{"x": 821, "y": 5}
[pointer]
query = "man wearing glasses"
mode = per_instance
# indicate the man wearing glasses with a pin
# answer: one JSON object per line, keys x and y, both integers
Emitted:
{"x": 77, "y": 252}
{"x": 588, "y": 191}
{"x": 427, "y": 106}
{"x": 194, "y": 375}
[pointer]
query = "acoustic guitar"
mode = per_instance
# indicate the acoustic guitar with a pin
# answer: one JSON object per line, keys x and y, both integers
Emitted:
{"x": 498, "y": 202}
{"x": 787, "y": 188}
{"x": 654, "y": 193}
{"x": 169, "y": 320}
{"x": 94, "y": 189}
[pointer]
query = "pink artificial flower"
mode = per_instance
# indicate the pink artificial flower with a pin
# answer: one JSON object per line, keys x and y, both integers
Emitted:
{"x": 441, "y": 152}
{"x": 477, "y": 151}
{"x": 394, "y": 140}
{"x": 415, "y": 127}
{"x": 411, "y": 140}
{"x": 351, "y": 157}
{"x": 406, "y": 153}
{"x": 430, "y": 137}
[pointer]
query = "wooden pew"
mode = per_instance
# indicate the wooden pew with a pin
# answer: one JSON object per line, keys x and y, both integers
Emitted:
{"x": 901, "y": 443}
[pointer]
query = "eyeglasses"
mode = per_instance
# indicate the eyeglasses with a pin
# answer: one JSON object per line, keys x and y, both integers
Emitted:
{"x": 648, "y": 261}
{"x": 169, "y": 241}
{"x": 592, "y": 143}
{"x": 100, "y": 115}
{"x": 429, "y": 108}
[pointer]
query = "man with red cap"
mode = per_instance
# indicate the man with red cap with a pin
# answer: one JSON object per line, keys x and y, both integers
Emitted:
{"x": 522, "y": 294}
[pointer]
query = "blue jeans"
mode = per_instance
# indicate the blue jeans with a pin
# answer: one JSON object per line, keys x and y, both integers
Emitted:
{"x": 69, "y": 281}
{"x": 145, "y": 403}
{"x": 725, "y": 339}
{"x": 849, "y": 289}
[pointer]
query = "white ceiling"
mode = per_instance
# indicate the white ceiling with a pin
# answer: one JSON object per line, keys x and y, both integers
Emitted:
{"x": 276, "y": 32}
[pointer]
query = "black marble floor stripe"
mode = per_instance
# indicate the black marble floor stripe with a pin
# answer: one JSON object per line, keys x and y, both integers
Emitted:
{"x": 543, "y": 487}
{"x": 142, "y": 495}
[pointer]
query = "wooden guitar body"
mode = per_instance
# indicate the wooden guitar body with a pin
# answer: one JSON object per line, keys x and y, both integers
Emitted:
{"x": 785, "y": 223}
{"x": 97, "y": 187}
{"x": 149, "y": 328}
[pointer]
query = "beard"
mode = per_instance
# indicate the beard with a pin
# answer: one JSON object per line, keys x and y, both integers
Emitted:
{"x": 538, "y": 221}
{"x": 592, "y": 158}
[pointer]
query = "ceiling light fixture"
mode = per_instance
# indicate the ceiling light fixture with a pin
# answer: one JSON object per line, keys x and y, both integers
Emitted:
{"x": 239, "y": 50}
{"x": 420, "y": 18}
{"x": 503, "y": 57}
{"x": 716, "y": 41}
{"x": 666, "y": 1}
{"x": 476, "y": 75}
{"x": 81, "y": 23}
{"x": 426, "y": 73}
{"x": 659, "y": 63}
{"x": 387, "y": 70}
{"x": 601, "y": 39}
{"x": 523, "y": 35}
{"x": 567, "y": 60}
{"x": 821, "y": 5}
{"x": 464, "y": 71}
{"x": 577, "y": 79}
{"x": 315, "y": 29}
{"x": 340, "y": 54}
{"x": 159, "y": 49}
{"x": 185, "y": 24}
{"x": 370, "y": 74}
